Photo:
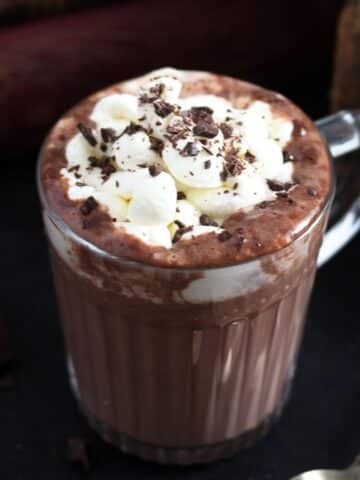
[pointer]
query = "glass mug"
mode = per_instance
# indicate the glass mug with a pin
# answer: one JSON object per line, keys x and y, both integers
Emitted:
{"x": 199, "y": 388}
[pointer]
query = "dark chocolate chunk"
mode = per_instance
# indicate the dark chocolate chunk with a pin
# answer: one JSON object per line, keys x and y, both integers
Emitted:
{"x": 201, "y": 113}
{"x": 87, "y": 134}
{"x": 88, "y": 206}
{"x": 207, "y": 164}
{"x": 206, "y": 220}
{"x": 226, "y": 130}
{"x": 155, "y": 170}
{"x": 181, "y": 196}
{"x": 205, "y": 129}
{"x": 108, "y": 135}
{"x": 224, "y": 236}
{"x": 103, "y": 147}
{"x": 162, "y": 108}
{"x": 190, "y": 150}
{"x": 77, "y": 452}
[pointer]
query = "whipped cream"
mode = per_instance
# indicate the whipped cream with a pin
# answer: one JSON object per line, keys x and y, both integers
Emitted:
{"x": 168, "y": 168}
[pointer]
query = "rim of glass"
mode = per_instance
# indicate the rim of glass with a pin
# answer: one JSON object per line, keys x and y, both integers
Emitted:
{"x": 67, "y": 230}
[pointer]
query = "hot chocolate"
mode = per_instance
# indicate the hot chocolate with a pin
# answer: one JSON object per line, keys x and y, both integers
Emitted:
{"x": 185, "y": 211}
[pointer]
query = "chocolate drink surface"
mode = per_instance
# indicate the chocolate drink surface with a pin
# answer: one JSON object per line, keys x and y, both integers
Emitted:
{"x": 185, "y": 211}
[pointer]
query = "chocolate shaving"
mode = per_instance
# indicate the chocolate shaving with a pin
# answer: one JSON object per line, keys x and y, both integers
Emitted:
{"x": 88, "y": 206}
{"x": 176, "y": 132}
{"x": 77, "y": 452}
{"x": 133, "y": 128}
{"x": 75, "y": 168}
{"x": 156, "y": 144}
{"x": 224, "y": 236}
{"x": 179, "y": 223}
{"x": 87, "y": 134}
{"x": 275, "y": 186}
{"x": 162, "y": 108}
{"x": 108, "y": 135}
{"x": 207, "y": 164}
{"x": 105, "y": 163}
{"x": 190, "y": 150}
{"x": 249, "y": 157}
{"x": 180, "y": 232}
{"x": 157, "y": 89}
{"x": 224, "y": 174}
{"x": 206, "y": 220}
{"x": 107, "y": 168}
{"x": 207, "y": 150}
{"x": 155, "y": 170}
{"x": 233, "y": 164}
{"x": 181, "y": 196}
{"x": 93, "y": 161}
{"x": 186, "y": 117}
{"x": 103, "y": 147}
{"x": 226, "y": 130}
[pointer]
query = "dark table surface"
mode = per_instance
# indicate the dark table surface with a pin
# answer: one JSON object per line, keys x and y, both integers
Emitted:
{"x": 320, "y": 426}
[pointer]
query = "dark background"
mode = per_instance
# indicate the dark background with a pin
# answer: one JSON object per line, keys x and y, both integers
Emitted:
{"x": 52, "y": 61}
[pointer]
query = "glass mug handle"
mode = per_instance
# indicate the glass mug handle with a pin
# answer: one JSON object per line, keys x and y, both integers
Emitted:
{"x": 341, "y": 132}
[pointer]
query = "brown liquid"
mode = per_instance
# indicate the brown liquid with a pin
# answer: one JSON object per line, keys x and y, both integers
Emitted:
{"x": 182, "y": 383}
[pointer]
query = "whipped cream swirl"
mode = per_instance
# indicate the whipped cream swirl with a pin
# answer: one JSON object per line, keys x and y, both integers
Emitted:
{"x": 168, "y": 168}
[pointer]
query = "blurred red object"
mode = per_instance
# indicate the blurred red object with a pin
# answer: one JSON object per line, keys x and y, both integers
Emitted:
{"x": 47, "y": 65}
